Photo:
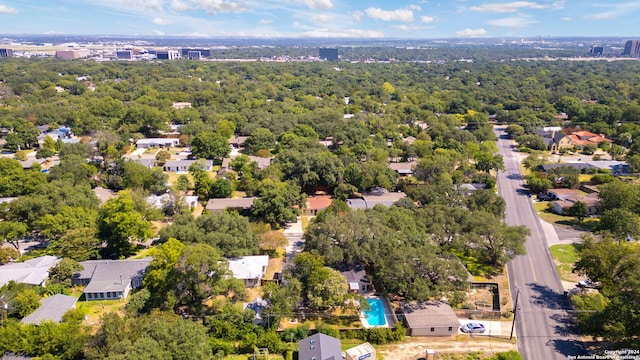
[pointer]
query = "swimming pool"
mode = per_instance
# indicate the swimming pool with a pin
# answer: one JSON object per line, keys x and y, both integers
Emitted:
{"x": 376, "y": 315}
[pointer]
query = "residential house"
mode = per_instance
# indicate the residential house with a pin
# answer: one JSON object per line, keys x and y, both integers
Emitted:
{"x": 157, "y": 143}
{"x": 181, "y": 105}
{"x": 33, "y": 271}
{"x": 182, "y": 166}
{"x": 250, "y": 269}
{"x": 315, "y": 204}
{"x": 566, "y": 198}
{"x": 383, "y": 197}
{"x": 51, "y": 308}
{"x": 149, "y": 163}
{"x": 257, "y": 306}
{"x": 62, "y": 133}
{"x": 319, "y": 347}
{"x": 403, "y": 168}
{"x": 237, "y": 204}
{"x": 358, "y": 281}
{"x": 160, "y": 201}
{"x": 237, "y": 142}
{"x": 110, "y": 279}
{"x": 568, "y": 138}
{"x": 260, "y": 162}
{"x": 361, "y": 352}
{"x": 431, "y": 318}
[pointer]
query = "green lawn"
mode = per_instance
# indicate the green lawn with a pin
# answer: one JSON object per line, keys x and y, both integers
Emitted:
{"x": 564, "y": 256}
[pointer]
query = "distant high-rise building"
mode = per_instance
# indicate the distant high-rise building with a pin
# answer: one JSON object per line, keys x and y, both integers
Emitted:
{"x": 632, "y": 48}
{"x": 203, "y": 52}
{"x": 5, "y": 53}
{"x": 596, "y": 50}
{"x": 330, "y": 54}
{"x": 124, "y": 54}
{"x": 167, "y": 54}
{"x": 72, "y": 54}
{"x": 194, "y": 55}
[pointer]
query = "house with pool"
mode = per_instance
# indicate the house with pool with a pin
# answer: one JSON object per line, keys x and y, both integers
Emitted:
{"x": 379, "y": 313}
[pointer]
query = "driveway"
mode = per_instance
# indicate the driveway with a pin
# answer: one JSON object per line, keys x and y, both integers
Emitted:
{"x": 493, "y": 328}
{"x": 295, "y": 236}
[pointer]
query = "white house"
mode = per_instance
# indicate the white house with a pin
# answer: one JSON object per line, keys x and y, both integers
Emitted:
{"x": 157, "y": 143}
{"x": 250, "y": 269}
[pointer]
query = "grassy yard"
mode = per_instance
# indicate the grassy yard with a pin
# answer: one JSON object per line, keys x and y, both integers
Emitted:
{"x": 549, "y": 216}
{"x": 95, "y": 310}
{"x": 564, "y": 256}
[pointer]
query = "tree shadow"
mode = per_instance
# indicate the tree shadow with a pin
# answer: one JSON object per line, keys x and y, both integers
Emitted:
{"x": 569, "y": 347}
{"x": 548, "y": 298}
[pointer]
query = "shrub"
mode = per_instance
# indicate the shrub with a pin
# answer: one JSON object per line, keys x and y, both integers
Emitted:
{"x": 602, "y": 178}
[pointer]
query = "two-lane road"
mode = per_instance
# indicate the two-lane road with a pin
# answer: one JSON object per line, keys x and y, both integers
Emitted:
{"x": 544, "y": 327}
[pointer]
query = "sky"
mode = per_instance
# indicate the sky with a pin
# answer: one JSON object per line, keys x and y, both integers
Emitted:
{"x": 391, "y": 19}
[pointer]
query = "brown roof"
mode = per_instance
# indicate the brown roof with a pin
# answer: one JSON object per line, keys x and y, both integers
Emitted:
{"x": 319, "y": 202}
{"x": 429, "y": 314}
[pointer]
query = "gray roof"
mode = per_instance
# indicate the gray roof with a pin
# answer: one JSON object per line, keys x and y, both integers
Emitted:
{"x": 111, "y": 275}
{"x": 51, "y": 308}
{"x": 262, "y": 162}
{"x": 147, "y": 162}
{"x": 357, "y": 203}
{"x": 33, "y": 271}
{"x": 354, "y": 277}
{"x": 386, "y": 199}
{"x": 429, "y": 314}
{"x": 403, "y": 168}
{"x": 320, "y": 347}
{"x": 223, "y": 204}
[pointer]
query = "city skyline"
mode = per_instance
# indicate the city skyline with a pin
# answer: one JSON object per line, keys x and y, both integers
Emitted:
{"x": 410, "y": 19}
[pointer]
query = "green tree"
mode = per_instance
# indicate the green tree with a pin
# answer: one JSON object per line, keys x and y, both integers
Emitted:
{"x": 226, "y": 128}
{"x": 261, "y": 139}
{"x": 538, "y": 185}
{"x": 514, "y": 130}
{"x": 619, "y": 195}
{"x": 622, "y": 223}
{"x": 78, "y": 244}
{"x": 8, "y": 254}
{"x": 221, "y": 188}
{"x": 579, "y": 210}
{"x": 210, "y": 145}
{"x": 276, "y": 202}
{"x": 64, "y": 270}
{"x": 120, "y": 225}
{"x": 201, "y": 273}
{"x": 12, "y": 232}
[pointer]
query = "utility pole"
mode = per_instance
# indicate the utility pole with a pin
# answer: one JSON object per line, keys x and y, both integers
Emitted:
{"x": 515, "y": 312}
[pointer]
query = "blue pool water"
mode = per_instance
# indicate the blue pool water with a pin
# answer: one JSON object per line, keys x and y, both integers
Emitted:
{"x": 375, "y": 316}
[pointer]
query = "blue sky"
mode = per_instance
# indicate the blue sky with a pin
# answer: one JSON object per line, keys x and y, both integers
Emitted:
{"x": 414, "y": 19}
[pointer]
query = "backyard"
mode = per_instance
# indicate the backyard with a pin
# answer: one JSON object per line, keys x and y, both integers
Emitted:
{"x": 564, "y": 256}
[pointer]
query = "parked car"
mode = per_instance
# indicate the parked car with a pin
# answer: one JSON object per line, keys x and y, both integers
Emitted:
{"x": 588, "y": 284}
{"x": 472, "y": 328}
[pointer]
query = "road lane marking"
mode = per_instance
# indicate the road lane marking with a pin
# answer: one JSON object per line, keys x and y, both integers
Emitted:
{"x": 533, "y": 272}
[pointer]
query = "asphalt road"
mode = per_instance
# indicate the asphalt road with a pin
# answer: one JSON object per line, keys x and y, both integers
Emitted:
{"x": 544, "y": 327}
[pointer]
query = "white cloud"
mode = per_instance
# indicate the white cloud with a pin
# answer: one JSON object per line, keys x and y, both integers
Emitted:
{"x": 513, "y": 22}
{"x": 318, "y": 4}
{"x": 566, "y": 19}
{"x": 148, "y": 4}
{"x": 196, "y": 34}
{"x": 216, "y": 6}
{"x": 357, "y": 16}
{"x": 414, "y": 7}
{"x": 323, "y": 18}
{"x": 343, "y": 33}
{"x": 427, "y": 19}
{"x": 157, "y": 32}
{"x": 53, "y": 32}
{"x": 405, "y": 15}
{"x": 507, "y": 7}
{"x": 616, "y": 10}
{"x": 4, "y": 9}
{"x": 471, "y": 33}
{"x": 411, "y": 27}
{"x": 161, "y": 21}
{"x": 265, "y": 22}
{"x": 180, "y": 6}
